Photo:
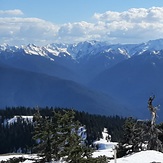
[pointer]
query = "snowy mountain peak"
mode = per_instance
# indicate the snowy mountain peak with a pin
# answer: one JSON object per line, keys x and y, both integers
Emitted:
{"x": 33, "y": 49}
{"x": 155, "y": 44}
{"x": 4, "y": 46}
{"x": 49, "y": 51}
{"x": 56, "y": 49}
{"x": 8, "y": 48}
{"x": 86, "y": 49}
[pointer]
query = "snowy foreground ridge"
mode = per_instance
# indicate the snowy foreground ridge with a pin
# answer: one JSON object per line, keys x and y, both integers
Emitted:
{"x": 105, "y": 147}
{"x": 149, "y": 156}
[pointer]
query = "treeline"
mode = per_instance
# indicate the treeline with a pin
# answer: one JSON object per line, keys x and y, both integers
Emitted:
{"x": 17, "y": 137}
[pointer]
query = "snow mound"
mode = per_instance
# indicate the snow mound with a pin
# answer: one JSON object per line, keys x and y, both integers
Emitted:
{"x": 105, "y": 150}
{"x": 149, "y": 156}
{"x": 104, "y": 146}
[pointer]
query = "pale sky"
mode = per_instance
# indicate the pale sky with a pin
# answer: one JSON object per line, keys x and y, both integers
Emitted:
{"x": 53, "y": 21}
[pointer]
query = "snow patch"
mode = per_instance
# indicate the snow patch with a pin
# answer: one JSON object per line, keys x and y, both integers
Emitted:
{"x": 28, "y": 119}
{"x": 104, "y": 146}
{"x": 149, "y": 156}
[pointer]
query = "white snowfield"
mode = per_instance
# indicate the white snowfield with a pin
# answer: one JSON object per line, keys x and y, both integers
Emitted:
{"x": 6, "y": 157}
{"x": 106, "y": 148}
{"x": 149, "y": 156}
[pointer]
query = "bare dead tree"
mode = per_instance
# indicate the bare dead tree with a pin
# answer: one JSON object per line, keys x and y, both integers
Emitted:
{"x": 152, "y": 109}
{"x": 154, "y": 143}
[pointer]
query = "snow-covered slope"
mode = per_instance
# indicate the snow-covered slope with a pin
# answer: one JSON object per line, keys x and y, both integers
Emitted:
{"x": 106, "y": 148}
{"x": 152, "y": 45}
{"x": 149, "y": 156}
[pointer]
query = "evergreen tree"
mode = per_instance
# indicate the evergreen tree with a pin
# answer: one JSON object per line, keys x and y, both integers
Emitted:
{"x": 17, "y": 136}
{"x": 58, "y": 137}
{"x": 125, "y": 144}
{"x": 73, "y": 147}
{"x": 43, "y": 136}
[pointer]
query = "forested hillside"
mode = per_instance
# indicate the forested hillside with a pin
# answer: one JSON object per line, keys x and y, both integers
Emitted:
{"x": 91, "y": 76}
{"x": 17, "y": 136}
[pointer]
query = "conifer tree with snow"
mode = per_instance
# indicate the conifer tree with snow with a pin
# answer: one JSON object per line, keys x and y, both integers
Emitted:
{"x": 58, "y": 138}
{"x": 125, "y": 144}
{"x": 72, "y": 147}
{"x": 43, "y": 136}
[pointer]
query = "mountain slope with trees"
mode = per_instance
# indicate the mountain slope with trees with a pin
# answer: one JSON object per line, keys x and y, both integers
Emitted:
{"x": 104, "y": 78}
{"x": 11, "y": 134}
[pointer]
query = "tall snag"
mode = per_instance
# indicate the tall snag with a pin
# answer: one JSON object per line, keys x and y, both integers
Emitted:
{"x": 154, "y": 143}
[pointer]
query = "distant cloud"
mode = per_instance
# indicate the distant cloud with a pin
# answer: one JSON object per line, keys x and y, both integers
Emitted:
{"x": 134, "y": 25}
{"x": 134, "y": 15}
{"x": 79, "y": 31}
{"x": 15, "y": 30}
{"x": 15, "y": 12}
{"x": 131, "y": 26}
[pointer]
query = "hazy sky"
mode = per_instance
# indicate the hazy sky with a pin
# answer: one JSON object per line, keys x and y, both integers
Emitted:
{"x": 49, "y": 21}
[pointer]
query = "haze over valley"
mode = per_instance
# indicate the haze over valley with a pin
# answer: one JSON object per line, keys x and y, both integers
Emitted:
{"x": 93, "y": 76}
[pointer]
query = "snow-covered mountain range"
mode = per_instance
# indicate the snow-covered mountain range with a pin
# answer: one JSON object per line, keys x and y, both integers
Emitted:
{"x": 88, "y": 48}
{"x": 90, "y": 75}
